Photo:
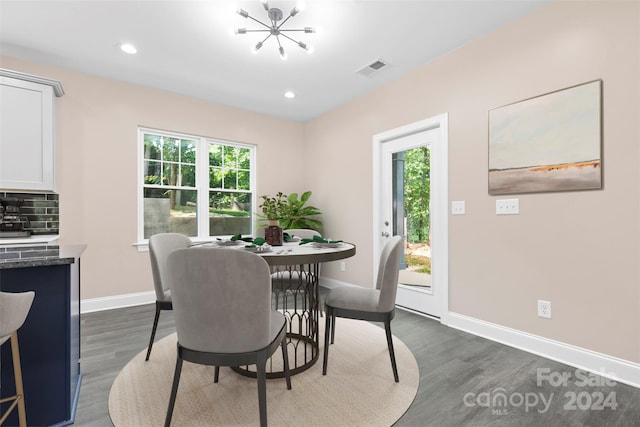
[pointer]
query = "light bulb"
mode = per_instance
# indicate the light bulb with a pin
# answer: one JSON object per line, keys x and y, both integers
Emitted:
{"x": 289, "y": 94}
{"x": 128, "y": 48}
{"x": 257, "y": 47}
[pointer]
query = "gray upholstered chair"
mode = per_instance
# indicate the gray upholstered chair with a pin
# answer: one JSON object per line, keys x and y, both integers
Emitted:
{"x": 375, "y": 305}
{"x": 223, "y": 314}
{"x": 160, "y": 246}
{"x": 14, "y": 308}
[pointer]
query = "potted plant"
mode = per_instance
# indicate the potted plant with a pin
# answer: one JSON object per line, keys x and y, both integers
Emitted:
{"x": 296, "y": 215}
{"x": 290, "y": 211}
{"x": 272, "y": 210}
{"x": 287, "y": 212}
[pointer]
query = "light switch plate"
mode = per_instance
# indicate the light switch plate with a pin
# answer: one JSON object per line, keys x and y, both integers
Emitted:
{"x": 507, "y": 207}
{"x": 458, "y": 207}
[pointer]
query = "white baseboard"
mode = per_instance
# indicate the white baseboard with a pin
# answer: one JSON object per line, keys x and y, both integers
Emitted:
{"x": 329, "y": 283}
{"x": 140, "y": 298}
{"x": 117, "y": 301}
{"x": 607, "y": 366}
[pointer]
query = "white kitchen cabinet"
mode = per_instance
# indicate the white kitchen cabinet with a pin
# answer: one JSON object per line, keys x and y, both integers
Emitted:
{"x": 27, "y": 131}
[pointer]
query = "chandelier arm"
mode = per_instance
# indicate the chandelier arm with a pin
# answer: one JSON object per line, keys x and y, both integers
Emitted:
{"x": 258, "y": 21}
{"x": 283, "y": 54}
{"x": 266, "y": 38}
{"x": 282, "y": 23}
{"x": 274, "y": 25}
{"x": 278, "y": 39}
{"x": 284, "y": 35}
{"x": 257, "y": 31}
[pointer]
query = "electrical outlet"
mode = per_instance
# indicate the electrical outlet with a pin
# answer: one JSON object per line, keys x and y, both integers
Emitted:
{"x": 458, "y": 207}
{"x": 544, "y": 309}
{"x": 343, "y": 266}
{"x": 508, "y": 207}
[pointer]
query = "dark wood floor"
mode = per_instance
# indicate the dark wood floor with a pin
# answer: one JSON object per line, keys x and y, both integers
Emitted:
{"x": 462, "y": 377}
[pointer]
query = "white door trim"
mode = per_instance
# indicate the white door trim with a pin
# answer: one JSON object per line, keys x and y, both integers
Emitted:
{"x": 439, "y": 199}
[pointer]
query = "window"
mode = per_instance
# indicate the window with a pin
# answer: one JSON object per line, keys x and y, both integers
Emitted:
{"x": 195, "y": 186}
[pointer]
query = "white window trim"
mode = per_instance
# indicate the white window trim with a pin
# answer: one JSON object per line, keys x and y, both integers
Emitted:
{"x": 202, "y": 180}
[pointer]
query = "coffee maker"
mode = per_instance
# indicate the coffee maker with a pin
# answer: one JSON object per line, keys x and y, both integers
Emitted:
{"x": 12, "y": 223}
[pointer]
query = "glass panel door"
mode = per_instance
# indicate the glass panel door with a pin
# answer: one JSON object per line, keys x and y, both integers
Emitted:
{"x": 406, "y": 208}
{"x": 411, "y": 214}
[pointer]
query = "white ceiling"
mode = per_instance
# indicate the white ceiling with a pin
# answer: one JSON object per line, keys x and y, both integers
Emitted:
{"x": 186, "y": 47}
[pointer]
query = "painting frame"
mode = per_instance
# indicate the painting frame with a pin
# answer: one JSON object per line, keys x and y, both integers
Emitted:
{"x": 548, "y": 143}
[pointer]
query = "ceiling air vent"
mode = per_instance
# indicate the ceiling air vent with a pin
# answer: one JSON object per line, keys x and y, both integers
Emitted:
{"x": 372, "y": 68}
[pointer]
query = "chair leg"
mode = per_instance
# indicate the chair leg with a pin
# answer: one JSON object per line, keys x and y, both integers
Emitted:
{"x": 174, "y": 391}
{"x": 327, "y": 332}
{"x": 387, "y": 328}
{"x": 319, "y": 306}
{"x": 153, "y": 330}
{"x": 285, "y": 361}
{"x": 216, "y": 375}
{"x": 17, "y": 373}
{"x": 333, "y": 327}
{"x": 262, "y": 387}
{"x": 18, "y": 398}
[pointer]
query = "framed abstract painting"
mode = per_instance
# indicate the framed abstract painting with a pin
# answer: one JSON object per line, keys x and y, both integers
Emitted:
{"x": 552, "y": 142}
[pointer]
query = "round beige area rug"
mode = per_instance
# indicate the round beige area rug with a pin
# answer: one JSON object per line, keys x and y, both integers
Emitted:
{"x": 358, "y": 389}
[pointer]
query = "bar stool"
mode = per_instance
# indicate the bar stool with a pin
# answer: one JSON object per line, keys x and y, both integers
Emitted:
{"x": 14, "y": 308}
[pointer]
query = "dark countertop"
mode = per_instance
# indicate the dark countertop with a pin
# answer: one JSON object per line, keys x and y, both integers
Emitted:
{"x": 21, "y": 256}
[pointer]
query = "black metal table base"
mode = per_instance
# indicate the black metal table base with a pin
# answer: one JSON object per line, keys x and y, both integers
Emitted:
{"x": 295, "y": 290}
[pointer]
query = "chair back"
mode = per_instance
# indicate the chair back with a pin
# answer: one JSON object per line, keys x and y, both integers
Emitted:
{"x": 14, "y": 308}
{"x": 303, "y": 233}
{"x": 388, "y": 271}
{"x": 160, "y": 246}
{"x": 221, "y": 299}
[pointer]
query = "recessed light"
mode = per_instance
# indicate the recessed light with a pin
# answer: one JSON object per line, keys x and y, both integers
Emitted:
{"x": 128, "y": 48}
{"x": 289, "y": 94}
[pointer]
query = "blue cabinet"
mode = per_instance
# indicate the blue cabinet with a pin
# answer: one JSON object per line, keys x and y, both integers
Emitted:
{"x": 49, "y": 342}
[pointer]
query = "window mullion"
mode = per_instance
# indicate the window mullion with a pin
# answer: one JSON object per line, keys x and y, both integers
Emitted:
{"x": 202, "y": 178}
{"x": 252, "y": 185}
{"x": 141, "y": 174}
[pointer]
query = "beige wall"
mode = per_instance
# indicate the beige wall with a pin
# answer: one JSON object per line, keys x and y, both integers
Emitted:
{"x": 576, "y": 249}
{"x": 97, "y": 122}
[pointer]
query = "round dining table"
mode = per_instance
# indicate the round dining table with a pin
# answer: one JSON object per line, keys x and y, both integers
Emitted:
{"x": 295, "y": 285}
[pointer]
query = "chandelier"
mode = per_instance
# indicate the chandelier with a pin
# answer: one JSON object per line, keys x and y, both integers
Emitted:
{"x": 274, "y": 27}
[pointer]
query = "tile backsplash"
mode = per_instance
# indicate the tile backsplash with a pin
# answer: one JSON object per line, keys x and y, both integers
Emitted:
{"x": 42, "y": 209}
